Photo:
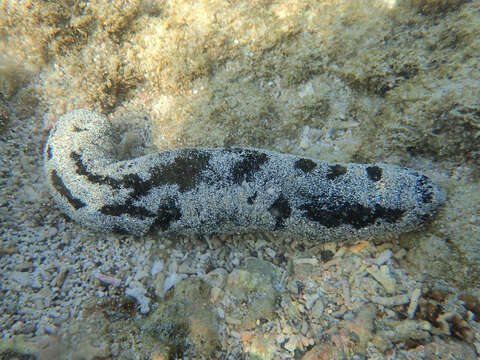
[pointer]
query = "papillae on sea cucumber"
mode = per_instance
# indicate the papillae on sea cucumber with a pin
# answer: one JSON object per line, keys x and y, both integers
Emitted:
{"x": 227, "y": 190}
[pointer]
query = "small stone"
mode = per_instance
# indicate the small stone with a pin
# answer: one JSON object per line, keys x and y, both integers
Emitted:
{"x": 408, "y": 329}
{"x": 24, "y": 266}
{"x": 171, "y": 280}
{"x": 22, "y": 278}
{"x": 17, "y": 327}
{"x": 383, "y": 276}
{"x": 232, "y": 320}
{"x": 383, "y": 257}
{"x": 62, "y": 275}
{"x": 317, "y": 309}
{"x": 310, "y": 300}
{"x": 140, "y": 275}
{"x": 412, "y": 307}
{"x": 391, "y": 301}
{"x": 292, "y": 286}
{"x": 158, "y": 281}
{"x": 217, "y": 277}
{"x": 50, "y": 329}
{"x": 270, "y": 252}
{"x": 400, "y": 254}
{"x": 115, "y": 349}
{"x": 9, "y": 249}
{"x": 215, "y": 294}
{"x": 156, "y": 267}
{"x": 11, "y": 308}
{"x": 309, "y": 261}
{"x": 139, "y": 294}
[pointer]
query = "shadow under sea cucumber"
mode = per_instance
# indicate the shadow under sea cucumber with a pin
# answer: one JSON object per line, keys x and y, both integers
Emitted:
{"x": 227, "y": 190}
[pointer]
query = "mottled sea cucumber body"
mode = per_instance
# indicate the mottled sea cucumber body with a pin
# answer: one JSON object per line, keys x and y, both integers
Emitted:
{"x": 227, "y": 190}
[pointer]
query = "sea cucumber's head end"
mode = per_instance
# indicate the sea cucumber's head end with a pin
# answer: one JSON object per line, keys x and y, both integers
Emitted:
{"x": 430, "y": 195}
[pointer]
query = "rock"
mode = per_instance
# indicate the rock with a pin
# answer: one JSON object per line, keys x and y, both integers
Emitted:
{"x": 139, "y": 294}
{"x": 184, "y": 324}
{"x": 317, "y": 309}
{"x": 259, "y": 346}
{"x": 403, "y": 330}
{"x": 383, "y": 276}
{"x": 254, "y": 291}
{"x": 363, "y": 324}
{"x": 383, "y": 257}
{"x": 25, "y": 279}
{"x": 217, "y": 277}
{"x": 391, "y": 301}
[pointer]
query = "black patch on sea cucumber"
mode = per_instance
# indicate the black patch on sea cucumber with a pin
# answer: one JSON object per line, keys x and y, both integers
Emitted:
{"x": 335, "y": 171}
{"x": 280, "y": 210}
{"x": 49, "y": 152}
{"x": 252, "y": 198}
{"x": 63, "y": 190}
{"x": 138, "y": 212}
{"x": 93, "y": 178}
{"x": 334, "y": 213}
{"x": 120, "y": 230}
{"x": 306, "y": 165}
{"x": 425, "y": 189}
{"x": 185, "y": 171}
{"x": 374, "y": 173}
{"x": 244, "y": 169}
{"x": 166, "y": 214}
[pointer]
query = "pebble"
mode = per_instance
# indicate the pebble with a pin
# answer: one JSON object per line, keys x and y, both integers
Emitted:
{"x": 383, "y": 276}
{"x": 50, "y": 329}
{"x": 24, "y": 266}
{"x": 391, "y": 301}
{"x": 317, "y": 309}
{"x": 412, "y": 307}
{"x": 25, "y": 279}
{"x": 383, "y": 257}
{"x": 139, "y": 294}
{"x": 156, "y": 267}
{"x": 217, "y": 277}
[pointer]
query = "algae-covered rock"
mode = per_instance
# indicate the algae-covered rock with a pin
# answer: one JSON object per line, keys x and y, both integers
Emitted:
{"x": 183, "y": 325}
{"x": 254, "y": 290}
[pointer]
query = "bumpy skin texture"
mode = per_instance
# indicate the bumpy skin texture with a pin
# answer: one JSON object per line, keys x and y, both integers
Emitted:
{"x": 227, "y": 190}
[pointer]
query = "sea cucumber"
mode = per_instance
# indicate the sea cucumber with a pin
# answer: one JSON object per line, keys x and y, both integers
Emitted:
{"x": 227, "y": 190}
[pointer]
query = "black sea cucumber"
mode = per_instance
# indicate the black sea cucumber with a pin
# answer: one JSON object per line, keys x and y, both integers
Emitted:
{"x": 227, "y": 190}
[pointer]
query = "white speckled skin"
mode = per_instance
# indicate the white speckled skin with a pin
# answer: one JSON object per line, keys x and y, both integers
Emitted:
{"x": 227, "y": 190}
